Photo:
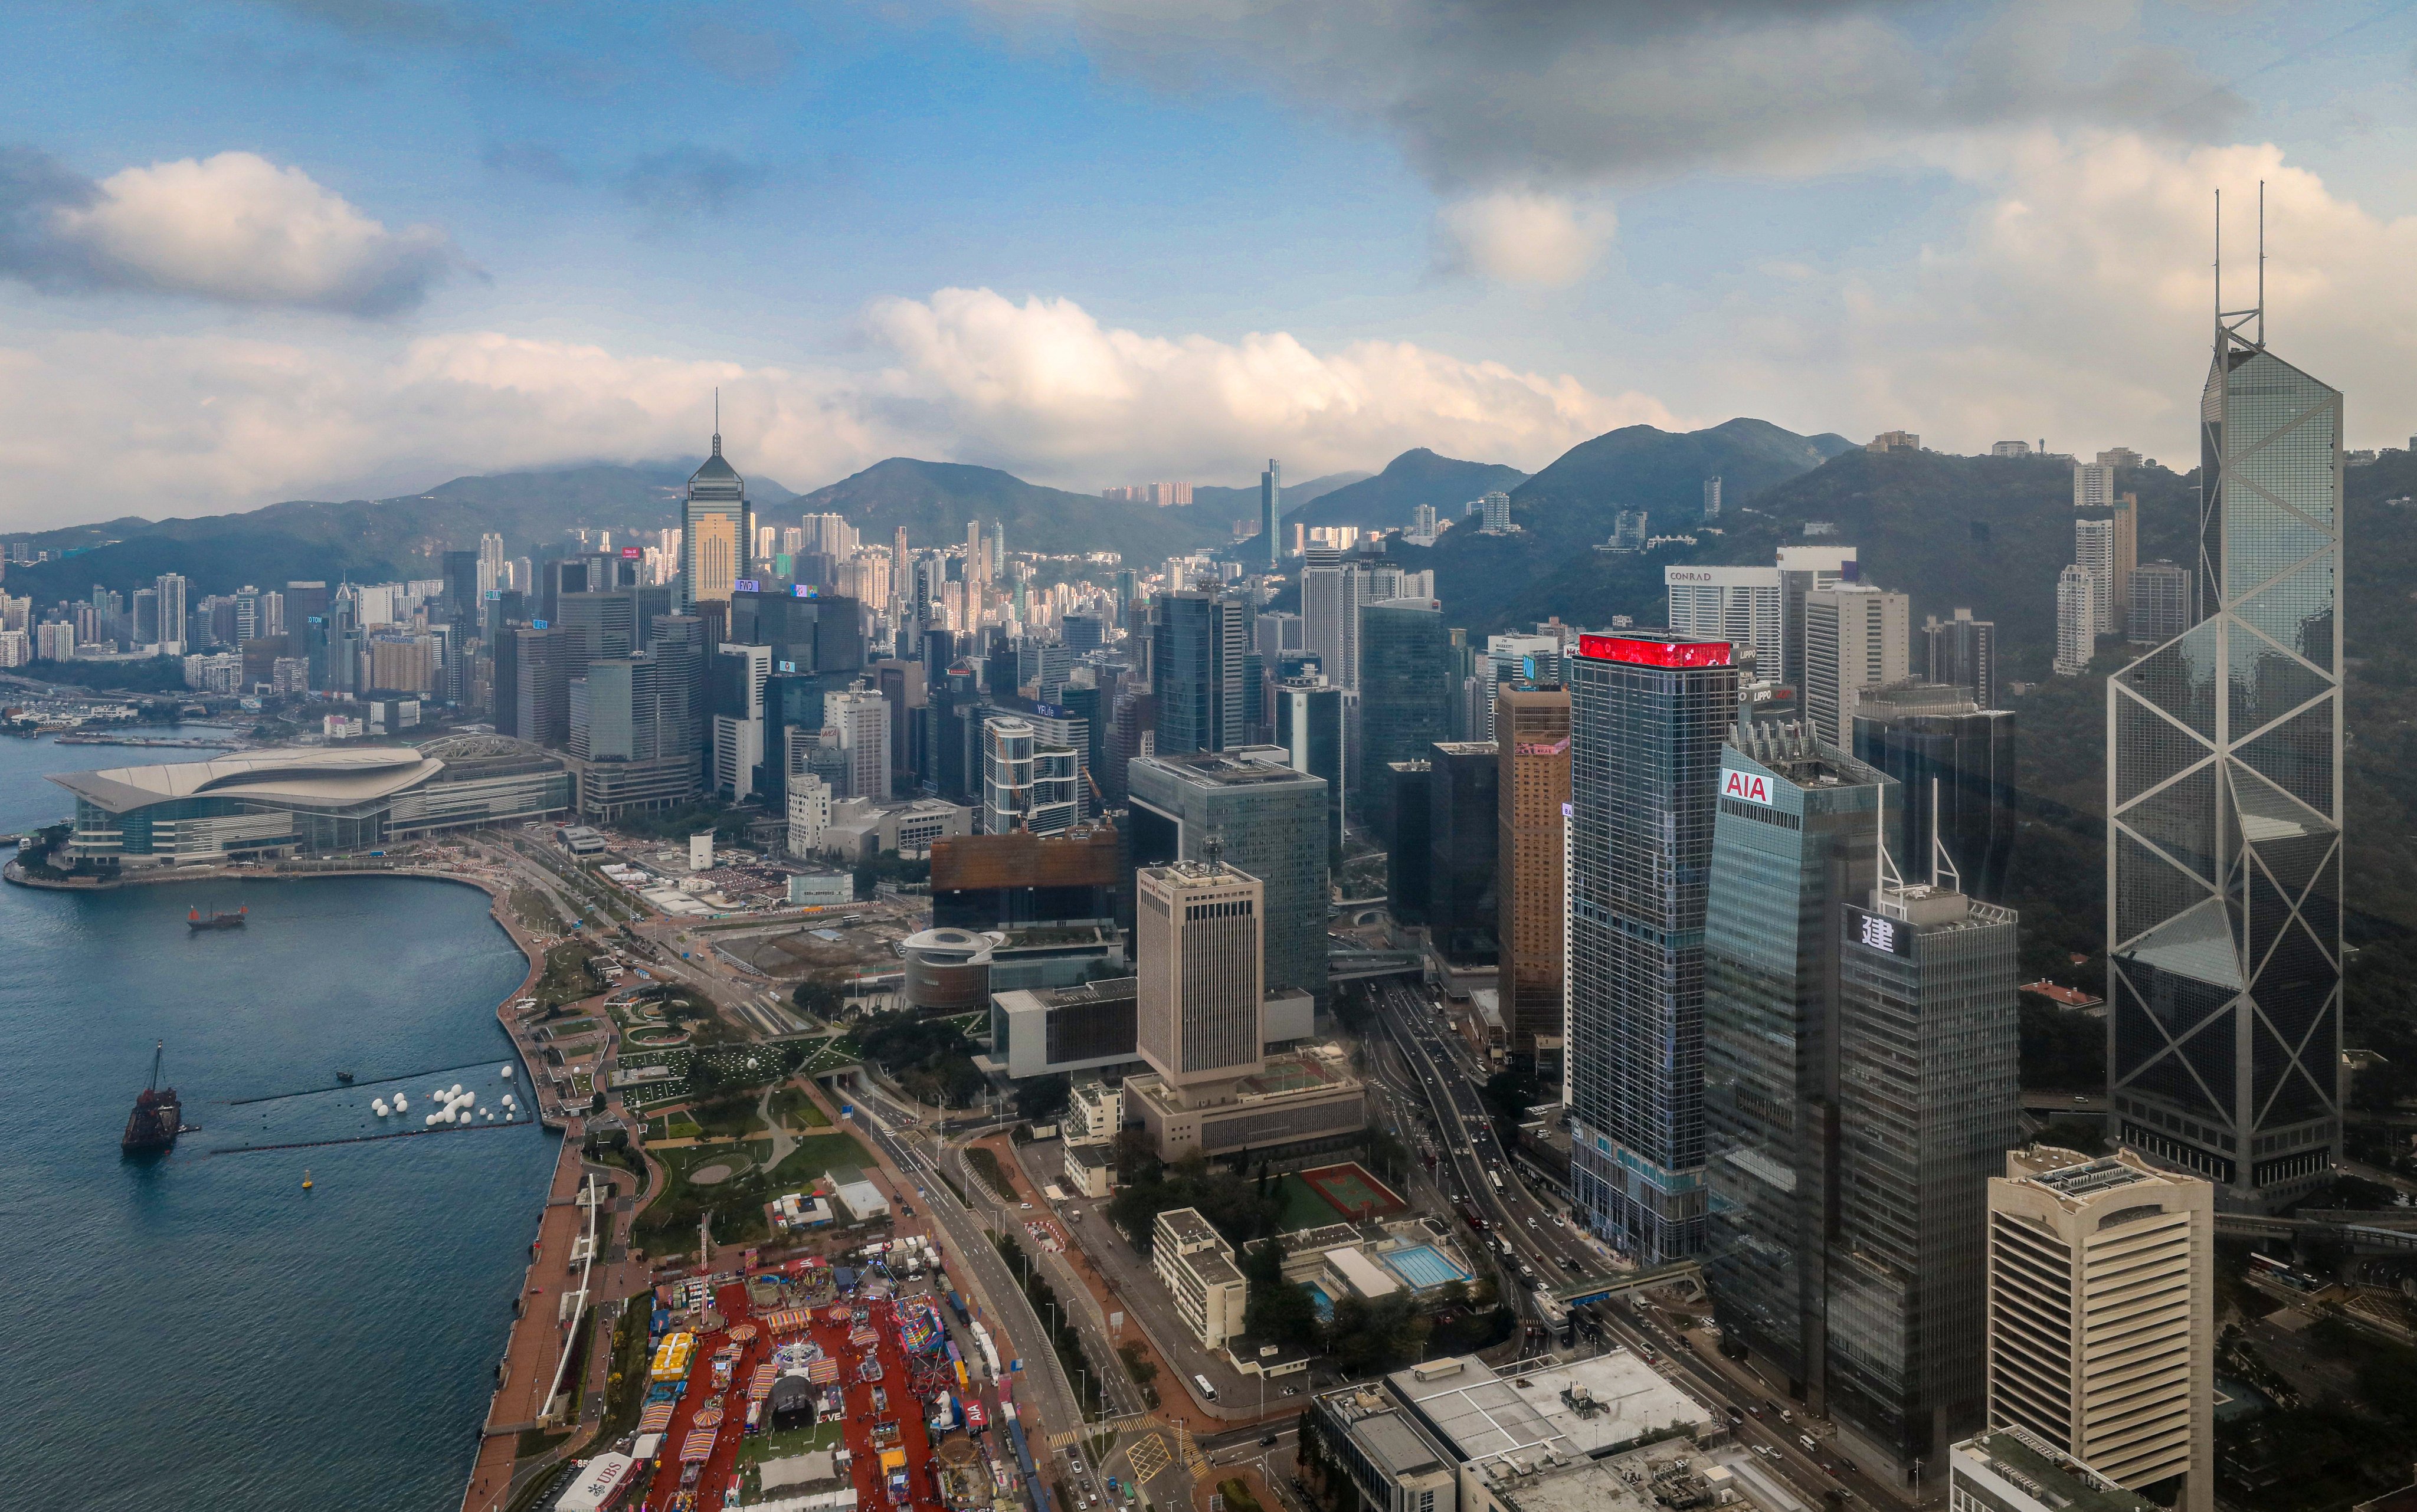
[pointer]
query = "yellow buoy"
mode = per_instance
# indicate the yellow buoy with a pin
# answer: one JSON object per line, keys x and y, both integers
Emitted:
{"x": 306, "y": 1178}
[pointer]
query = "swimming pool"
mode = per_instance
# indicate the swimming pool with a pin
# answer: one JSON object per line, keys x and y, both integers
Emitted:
{"x": 1423, "y": 1266}
{"x": 1318, "y": 1299}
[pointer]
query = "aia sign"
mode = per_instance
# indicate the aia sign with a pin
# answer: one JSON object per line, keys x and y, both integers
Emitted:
{"x": 1750, "y": 786}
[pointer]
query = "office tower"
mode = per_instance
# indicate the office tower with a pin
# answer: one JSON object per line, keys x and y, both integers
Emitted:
{"x": 1403, "y": 691}
{"x": 632, "y": 741}
{"x": 1712, "y": 497}
{"x": 1274, "y": 634}
{"x": 1402, "y": 826}
{"x": 1082, "y": 633}
{"x": 1740, "y": 605}
{"x": 2078, "y": 597}
{"x": 2225, "y": 788}
{"x": 461, "y": 594}
{"x": 2102, "y": 1316}
{"x": 1927, "y": 1094}
{"x": 170, "y": 586}
{"x": 1647, "y": 713}
{"x": 1963, "y": 653}
{"x": 493, "y": 572}
{"x": 546, "y": 662}
{"x": 1330, "y": 594}
{"x": 1531, "y": 730}
{"x": 1955, "y": 760}
{"x": 902, "y": 685}
{"x": 1269, "y": 820}
{"x": 2159, "y": 600}
{"x": 1271, "y": 516}
{"x": 2125, "y": 556}
{"x": 809, "y": 803}
{"x": 1493, "y": 513}
{"x": 1856, "y": 637}
{"x": 2093, "y": 486}
{"x": 1794, "y": 846}
{"x": 1802, "y": 569}
{"x": 1200, "y": 642}
{"x": 608, "y": 618}
{"x": 1029, "y": 783}
{"x": 738, "y": 676}
{"x": 1196, "y": 951}
{"x": 1313, "y": 729}
{"x": 807, "y": 632}
{"x": 716, "y": 525}
{"x": 304, "y": 599}
{"x": 861, "y": 718}
{"x": 1463, "y": 825}
{"x": 2014, "y": 1470}
{"x": 2093, "y": 549}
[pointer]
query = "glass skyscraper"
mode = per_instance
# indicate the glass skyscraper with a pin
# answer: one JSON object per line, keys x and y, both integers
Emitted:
{"x": 1404, "y": 661}
{"x": 2224, "y": 794}
{"x": 1649, "y": 711}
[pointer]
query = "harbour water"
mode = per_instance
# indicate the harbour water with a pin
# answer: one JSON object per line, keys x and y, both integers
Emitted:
{"x": 197, "y": 1331}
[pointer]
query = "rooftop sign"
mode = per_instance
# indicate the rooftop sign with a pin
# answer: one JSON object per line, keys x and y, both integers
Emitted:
{"x": 1654, "y": 652}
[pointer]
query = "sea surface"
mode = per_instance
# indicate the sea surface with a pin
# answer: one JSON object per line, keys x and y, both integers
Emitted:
{"x": 197, "y": 1331}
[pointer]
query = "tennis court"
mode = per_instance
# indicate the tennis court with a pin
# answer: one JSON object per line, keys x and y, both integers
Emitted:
{"x": 1423, "y": 1266}
{"x": 1354, "y": 1191}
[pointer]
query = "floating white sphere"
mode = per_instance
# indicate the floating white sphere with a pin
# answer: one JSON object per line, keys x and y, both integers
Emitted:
{"x": 506, "y": 1073}
{"x": 430, "y": 1120}
{"x": 457, "y": 1089}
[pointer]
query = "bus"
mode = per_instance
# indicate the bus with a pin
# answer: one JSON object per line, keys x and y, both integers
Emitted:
{"x": 1208, "y": 1392}
{"x": 1495, "y": 1177}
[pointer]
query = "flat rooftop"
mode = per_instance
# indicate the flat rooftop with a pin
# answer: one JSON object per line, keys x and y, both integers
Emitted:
{"x": 1242, "y": 766}
{"x": 1185, "y": 1226}
{"x": 1575, "y": 1410}
{"x": 2046, "y": 1474}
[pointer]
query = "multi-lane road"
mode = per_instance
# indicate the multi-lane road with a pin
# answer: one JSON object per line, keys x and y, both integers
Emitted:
{"x": 1425, "y": 1074}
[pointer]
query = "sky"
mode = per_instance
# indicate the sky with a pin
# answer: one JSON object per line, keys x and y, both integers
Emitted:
{"x": 283, "y": 248}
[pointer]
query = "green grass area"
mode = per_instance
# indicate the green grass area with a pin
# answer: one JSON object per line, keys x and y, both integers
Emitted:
{"x": 565, "y": 978}
{"x": 566, "y": 1028}
{"x": 765, "y": 1446}
{"x": 677, "y": 1125}
{"x": 831, "y": 1055}
{"x": 994, "y": 1175}
{"x": 1302, "y": 1207}
{"x": 794, "y": 1106}
{"x": 669, "y": 1225}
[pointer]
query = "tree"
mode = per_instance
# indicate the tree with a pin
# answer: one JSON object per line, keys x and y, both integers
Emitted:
{"x": 1041, "y": 1098}
{"x": 1278, "y": 1311}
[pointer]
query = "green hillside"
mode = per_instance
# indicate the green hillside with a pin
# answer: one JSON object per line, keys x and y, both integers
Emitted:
{"x": 1413, "y": 479}
{"x": 1243, "y": 503}
{"x": 935, "y": 500}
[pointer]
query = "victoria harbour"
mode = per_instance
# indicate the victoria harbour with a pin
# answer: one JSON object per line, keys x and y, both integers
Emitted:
{"x": 266, "y": 1346}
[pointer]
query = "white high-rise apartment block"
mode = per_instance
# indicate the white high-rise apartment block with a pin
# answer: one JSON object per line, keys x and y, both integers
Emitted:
{"x": 492, "y": 572}
{"x": 1856, "y": 637}
{"x": 1712, "y": 497}
{"x": 1332, "y": 591}
{"x": 1495, "y": 511}
{"x": 862, "y": 719}
{"x": 2078, "y": 594}
{"x": 2102, "y": 1315}
{"x": 809, "y": 814}
{"x": 171, "y": 588}
{"x": 1740, "y": 605}
{"x": 2093, "y": 486}
{"x": 2094, "y": 548}
{"x": 56, "y": 640}
{"x": 16, "y": 648}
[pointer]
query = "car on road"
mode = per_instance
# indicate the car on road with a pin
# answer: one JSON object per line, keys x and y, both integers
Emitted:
{"x": 1763, "y": 1449}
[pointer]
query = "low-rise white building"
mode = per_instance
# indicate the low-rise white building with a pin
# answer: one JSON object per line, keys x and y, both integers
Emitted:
{"x": 1197, "y": 1266}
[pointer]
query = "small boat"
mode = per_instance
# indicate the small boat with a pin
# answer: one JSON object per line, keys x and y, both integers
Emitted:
{"x": 157, "y": 1117}
{"x": 345, "y": 1076}
{"x": 197, "y": 922}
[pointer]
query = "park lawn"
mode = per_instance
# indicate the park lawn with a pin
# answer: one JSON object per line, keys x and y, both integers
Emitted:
{"x": 675, "y": 1124}
{"x": 795, "y": 1106}
{"x": 1302, "y": 1207}
{"x": 831, "y": 1055}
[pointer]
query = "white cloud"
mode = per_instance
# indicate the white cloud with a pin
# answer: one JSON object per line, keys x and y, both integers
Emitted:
{"x": 95, "y": 424}
{"x": 1520, "y": 236}
{"x": 2077, "y": 304}
{"x": 233, "y": 227}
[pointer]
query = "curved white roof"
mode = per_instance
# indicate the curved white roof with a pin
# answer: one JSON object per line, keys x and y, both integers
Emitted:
{"x": 304, "y": 777}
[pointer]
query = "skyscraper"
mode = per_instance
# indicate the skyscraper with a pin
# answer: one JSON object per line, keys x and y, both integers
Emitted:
{"x": 1272, "y": 516}
{"x": 492, "y": 574}
{"x": 1463, "y": 834}
{"x": 1203, "y": 640}
{"x": 1405, "y": 651}
{"x": 1955, "y": 759}
{"x": 1532, "y": 729}
{"x": 2224, "y": 793}
{"x": 2093, "y": 486}
{"x": 1856, "y": 636}
{"x": 2102, "y": 1316}
{"x": 1266, "y": 818}
{"x": 717, "y": 526}
{"x": 2077, "y": 595}
{"x": 1332, "y": 591}
{"x": 1738, "y": 604}
{"x": 1794, "y": 846}
{"x": 1963, "y": 653}
{"x": 171, "y": 588}
{"x": 1197, "y": 950}
{"x": 1802, "y": 569}
{"x": 2094, "y": 548}
{"x": 2158, "y": 602}
{"x": 1648, "y": 714}
{"x": 1712, "y": 497}
{"x": 1312, "y": 728}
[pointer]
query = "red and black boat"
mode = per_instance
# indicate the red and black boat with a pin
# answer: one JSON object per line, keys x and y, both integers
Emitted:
{"x": 197, "y": 921}
{"x": 157, "y": 1117}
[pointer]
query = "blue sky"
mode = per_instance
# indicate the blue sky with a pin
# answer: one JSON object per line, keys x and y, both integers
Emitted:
{"x": 255, "y": 250}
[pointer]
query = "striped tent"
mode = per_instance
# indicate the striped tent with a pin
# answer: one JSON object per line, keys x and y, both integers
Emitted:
{"x": 708, "y": 1417}
{"x": 761, "y": 1386}
{"x": 698, "y": 1445}
{"x": 863, "y": 1334}
{"x": 822, "y": 1371}
{"x": 657, "y": 1417}
{"x": 743, "y": 1334}
{"x": 788, "y": 1320}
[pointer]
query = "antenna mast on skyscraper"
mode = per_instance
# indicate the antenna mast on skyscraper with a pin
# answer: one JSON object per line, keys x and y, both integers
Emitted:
{"x": 2230, "y": 323}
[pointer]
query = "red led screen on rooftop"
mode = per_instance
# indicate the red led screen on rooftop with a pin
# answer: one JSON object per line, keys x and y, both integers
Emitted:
{"x": 1654, "y": 652}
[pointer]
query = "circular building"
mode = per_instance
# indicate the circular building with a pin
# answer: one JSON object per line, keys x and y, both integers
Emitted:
{"x": 948, "y": 970}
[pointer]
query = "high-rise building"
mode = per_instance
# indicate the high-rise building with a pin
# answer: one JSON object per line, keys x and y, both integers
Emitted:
{"x": 1963, "y": 653}
{"x": 1201, "y": 642}
{"x": 1493, "y": 513}
{"x": 1856, "y": 636}
{"x": 1332, "y": 591}
{"x": 1196, "y": 951}
{"x": 1404, "y": 650}
{"x": 1648, "y": 714}
{"x": 1927, "y": 1103}
{"x": 862, "y": 716}
{"x": 2102, "y": 1317}
{"x": 1271, "y": 516}
{"x": 2225, "y": 788}
{"x": 1029, "y": 783}
{"x": 1408, "y": 810}
{"x": 1955, "y": 762}
{"x": 2014, "y": 1470}
{"x": 738, "y": 676}
{"x": 1464, "y": 835}
{"x": 2093, "y": 486}
{"x": 1712, "y": 497}
{"x": 1313, "y": 726}
{"x": 1795, "y": 844}
{"x": 173, "y": 616}
{"x": 1802, "y": 569}
{"x": 809, "y": 814}
{"x": 2123, "y": 557}
{"x": 2159, "y": 600}
{"x": 547, "y": 660}
{"x": 716, "y": 527}
{"x": 493, "y": 571}
{"x": 1740, "y": 605}
{"x": 2078, "y": 594}
{"x": 1266, "y": 818}
{"x": 1531, "y": 730}
{"x": 632, "y": 740}
{"x": 2093, "y": 549}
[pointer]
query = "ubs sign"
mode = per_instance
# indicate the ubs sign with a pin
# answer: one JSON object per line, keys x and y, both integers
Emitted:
{"x": 1752, "y": 787}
